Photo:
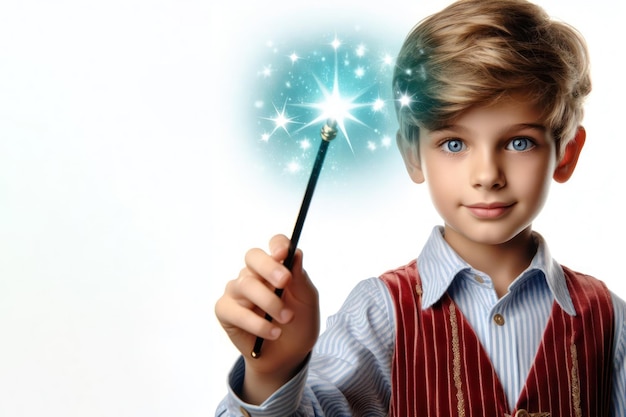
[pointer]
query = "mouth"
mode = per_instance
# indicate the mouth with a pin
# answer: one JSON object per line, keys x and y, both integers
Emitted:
{"x": 489, "y": 210}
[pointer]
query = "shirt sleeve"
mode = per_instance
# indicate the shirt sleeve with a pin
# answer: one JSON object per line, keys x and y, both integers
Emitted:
{"x": 619, "y": 355}
{"x": 349, "y": 371}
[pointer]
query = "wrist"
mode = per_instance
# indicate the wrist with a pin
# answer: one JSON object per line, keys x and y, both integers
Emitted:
{"x": 259, "y": 385}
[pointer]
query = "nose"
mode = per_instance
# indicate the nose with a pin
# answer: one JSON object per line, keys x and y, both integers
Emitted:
{"x": 486, "y": 172}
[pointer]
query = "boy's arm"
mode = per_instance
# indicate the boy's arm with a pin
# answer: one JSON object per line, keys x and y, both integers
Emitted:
{"x": 348, "y": 369}
{"x": 283, "y": 402}
{"x": 291, "y": 335}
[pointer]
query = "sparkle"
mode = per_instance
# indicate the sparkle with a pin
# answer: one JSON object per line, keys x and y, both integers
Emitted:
{"x": 305, "y": 144}
{"x": 336, "y": 43}
{"x": 360, "y": 51}
{"x": 265, "y": 137}
{"x": 293, "y": 57}
{"x": 293, "y": 167}
{"x": 388, "y": 60}
{"x": 267, "y": 71}
{"x": 281, "y": 120}
{"x": 359, "y": 72}
{"x": 386, "y": 141}
{"x": 336, "y": 107}
{"x": 378, "y": 105}
{"x": 371, "y": 145}
{"x": 405, "y": 100}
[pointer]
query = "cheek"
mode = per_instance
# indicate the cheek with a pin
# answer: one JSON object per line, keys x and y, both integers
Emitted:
{"x": 533, "y": 180}
{"x": 443, "y": 184}
{"x": 535, "y": 192}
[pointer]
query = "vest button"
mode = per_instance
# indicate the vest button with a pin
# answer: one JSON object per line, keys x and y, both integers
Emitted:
{"x": 522, "y": 413}
{"x": 499, "y": 320}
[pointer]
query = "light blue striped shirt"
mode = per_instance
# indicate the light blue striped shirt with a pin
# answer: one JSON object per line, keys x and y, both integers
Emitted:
{"x": 349, "y": 372}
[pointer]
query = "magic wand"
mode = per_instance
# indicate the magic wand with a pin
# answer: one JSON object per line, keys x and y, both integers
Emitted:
{"x": 328, "y": 133}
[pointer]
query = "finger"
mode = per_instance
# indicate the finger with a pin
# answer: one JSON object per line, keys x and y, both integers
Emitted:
{"x": 300, "y": 286}
{"x": 279, "y": 247}
{"x": 251, "y": 293}
{"x": 268, "y": 268}
{"x": 234, "y": 318}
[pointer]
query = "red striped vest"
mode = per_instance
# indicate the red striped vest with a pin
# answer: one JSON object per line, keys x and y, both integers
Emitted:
{"x": 440, "y": 368}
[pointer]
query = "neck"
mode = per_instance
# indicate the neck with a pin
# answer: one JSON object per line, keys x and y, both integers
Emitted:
{"x": 502, "y": 262}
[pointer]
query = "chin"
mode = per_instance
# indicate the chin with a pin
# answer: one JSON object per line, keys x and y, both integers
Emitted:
{"x": 492, "y": 234}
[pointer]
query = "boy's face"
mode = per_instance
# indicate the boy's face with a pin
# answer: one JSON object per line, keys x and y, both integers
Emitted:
{"x": 488, "y": 172}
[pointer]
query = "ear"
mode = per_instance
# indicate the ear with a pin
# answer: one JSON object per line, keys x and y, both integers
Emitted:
{"x": 410, "y": 155}
{"x": 566, "y": 165}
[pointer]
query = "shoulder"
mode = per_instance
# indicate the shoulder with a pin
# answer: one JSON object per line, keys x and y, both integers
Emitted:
{"x": 401, "y": 275}
{"x": 583, "y": 283}
{"x": 368, "y": 295}
{"x": 366, "y": 314}
{"x": 587, "y": 283}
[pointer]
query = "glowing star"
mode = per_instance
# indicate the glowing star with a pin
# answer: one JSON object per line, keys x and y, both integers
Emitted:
{"x": 378, "y": 105}
{"x": 335, "y": 106}
{"x": 293, "y": 167}
{"x": 267, "y": 71}
{"x": 305, "y": 144}
{"x": 405, "y": 100}
{"x": 281, "y": 120}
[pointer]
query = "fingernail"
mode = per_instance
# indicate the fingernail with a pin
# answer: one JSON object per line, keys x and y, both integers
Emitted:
{"x": 279, "y": 276}
{"x": 274, "y": 249}
{"x": 286, "y": 315}
{"x": 275, "y": 332}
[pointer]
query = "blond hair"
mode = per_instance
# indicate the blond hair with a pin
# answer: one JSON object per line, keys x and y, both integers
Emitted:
{"x": 475, "y": 52}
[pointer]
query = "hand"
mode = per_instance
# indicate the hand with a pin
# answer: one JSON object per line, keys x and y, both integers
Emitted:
{"x": 295, "y": 326}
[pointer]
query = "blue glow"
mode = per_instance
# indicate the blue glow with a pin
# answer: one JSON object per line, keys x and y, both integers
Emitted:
{"x": 300, "y": 83}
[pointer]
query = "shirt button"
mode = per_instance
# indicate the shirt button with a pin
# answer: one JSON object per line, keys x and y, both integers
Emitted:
{"x": 479, "y": 279}
{"x": 244, "y": 412}
{"x": 498, "y": 319}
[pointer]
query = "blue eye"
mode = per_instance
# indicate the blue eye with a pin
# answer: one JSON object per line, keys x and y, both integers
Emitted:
{"x": 453, "y": 146}
{"x": 520, "y": 144}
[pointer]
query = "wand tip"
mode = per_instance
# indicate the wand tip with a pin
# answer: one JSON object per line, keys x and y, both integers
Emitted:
{"x": 329, "y": 131}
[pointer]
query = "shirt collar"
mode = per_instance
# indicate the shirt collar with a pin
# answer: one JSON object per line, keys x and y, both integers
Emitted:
{"x": 439, "y": 265}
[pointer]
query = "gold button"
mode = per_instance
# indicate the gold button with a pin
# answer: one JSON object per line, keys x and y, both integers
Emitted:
{"x": 522, "y": 413}
{"x": 479, "y": 279}
{"x": 499, "y": 320}
{"x": 246, "y": 413}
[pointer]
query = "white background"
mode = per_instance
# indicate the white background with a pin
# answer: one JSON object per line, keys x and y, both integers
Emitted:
{"x": 126, "y": 201}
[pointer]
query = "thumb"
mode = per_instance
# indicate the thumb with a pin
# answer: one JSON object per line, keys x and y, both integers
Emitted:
{"x": 301, "y": 286}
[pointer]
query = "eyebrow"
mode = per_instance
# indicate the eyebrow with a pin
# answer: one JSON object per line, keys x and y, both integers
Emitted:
{"x": 520, "y": 126}
{"x": 535, "y": 126}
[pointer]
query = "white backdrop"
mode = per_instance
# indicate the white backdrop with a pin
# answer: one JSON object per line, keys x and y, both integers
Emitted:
{"x": 126, "y": 200}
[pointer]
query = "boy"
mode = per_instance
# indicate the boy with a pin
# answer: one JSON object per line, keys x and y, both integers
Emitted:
{"x": 489, "y": 99}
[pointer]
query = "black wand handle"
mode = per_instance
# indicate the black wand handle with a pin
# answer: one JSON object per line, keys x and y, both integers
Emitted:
{"x": 328, "y": 133}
